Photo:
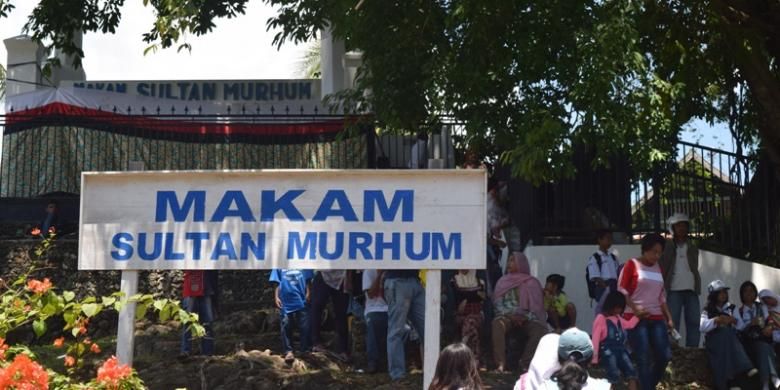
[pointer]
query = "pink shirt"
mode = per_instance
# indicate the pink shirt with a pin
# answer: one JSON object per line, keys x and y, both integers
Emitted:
{"x": 600, "y": 330}
{"x": 645, "y": 286}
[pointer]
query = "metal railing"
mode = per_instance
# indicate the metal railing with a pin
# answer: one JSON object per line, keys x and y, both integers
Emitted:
{"x": 47, "y": 153}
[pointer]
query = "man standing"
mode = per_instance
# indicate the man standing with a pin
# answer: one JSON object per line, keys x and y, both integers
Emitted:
{"x": 680, "y": 267}
{"x": 405, "y": 299}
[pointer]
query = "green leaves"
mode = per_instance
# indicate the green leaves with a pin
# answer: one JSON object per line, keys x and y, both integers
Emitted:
{"x": 68, "y": 295}
{"x": 39, "y": 327}
{"x": 91, "y": 309}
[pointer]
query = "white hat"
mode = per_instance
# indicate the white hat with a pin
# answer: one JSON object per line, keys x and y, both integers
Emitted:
{"x": 677, "y": 218}
{"x": 717, "y": 285}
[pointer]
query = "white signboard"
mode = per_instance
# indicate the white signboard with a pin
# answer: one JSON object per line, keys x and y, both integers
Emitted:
{"x": 262, "y": 219}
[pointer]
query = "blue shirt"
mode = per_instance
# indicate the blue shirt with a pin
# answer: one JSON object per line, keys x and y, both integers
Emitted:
{"x": 292, "y": 287}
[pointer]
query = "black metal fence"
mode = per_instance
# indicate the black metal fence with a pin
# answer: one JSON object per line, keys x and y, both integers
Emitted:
{"x": 47, "y": 153}
{"x": 732, "y": 199}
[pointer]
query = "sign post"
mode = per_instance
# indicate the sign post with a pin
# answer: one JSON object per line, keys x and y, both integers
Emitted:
{"x": 304, "y": 219}
{"x": 128, "y": 285}
{"x": 432, "y": 324}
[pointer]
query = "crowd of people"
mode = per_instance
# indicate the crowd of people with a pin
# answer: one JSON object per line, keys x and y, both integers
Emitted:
{"x": 639, "y": 303}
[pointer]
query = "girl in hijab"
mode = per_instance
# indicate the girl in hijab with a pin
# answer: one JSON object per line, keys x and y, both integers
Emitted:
{"x": 469, "y": 293}
{"x": 518, "y": 301}
{"x": 756, "y": 336}
{"x": 561, "y": 362}
{"x": 727, "y": 357}
{"x": 772, "y": 302}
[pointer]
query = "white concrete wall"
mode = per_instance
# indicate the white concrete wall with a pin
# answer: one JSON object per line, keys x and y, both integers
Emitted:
{"x": 570, "y": 261}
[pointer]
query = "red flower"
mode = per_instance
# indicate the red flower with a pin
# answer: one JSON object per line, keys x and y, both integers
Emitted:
{"x": 111, "y": 373}
{"x": 39, "y": 287}
{"x": 94, "y": 348}
{"x": 23, "y": 373}
{"x": 35, "y": 231}
{"x": 59, "y": 342}
{"x": 69, "y": 361}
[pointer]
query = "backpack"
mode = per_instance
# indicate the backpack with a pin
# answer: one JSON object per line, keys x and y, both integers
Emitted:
{"x": 592, "y": 285}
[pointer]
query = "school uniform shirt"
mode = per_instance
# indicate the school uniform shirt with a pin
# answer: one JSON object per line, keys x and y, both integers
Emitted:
{"x": 745, "y": 314}
{"x": 292, "y": 287}
{"x": 609, "y": 266}
{"x": 645, "y": 286}
{"x": 373, "y": 305}
{"x": 707, "y": 324}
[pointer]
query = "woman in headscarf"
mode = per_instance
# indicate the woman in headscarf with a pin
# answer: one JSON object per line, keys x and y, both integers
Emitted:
{"x": 725, "y": 353}
{"x": 772, "y": 302}
{"x": 469, "y": 292}
{"x": 518, "y": 300}
{"x": 756, "y": 335}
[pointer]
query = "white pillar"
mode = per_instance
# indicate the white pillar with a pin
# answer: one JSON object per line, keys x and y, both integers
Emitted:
{"x": 125, "y": 335}
{"x": 331, "y": 62}
{"x": 125, "y": 339}
{"x": 432, "y": 324}
{"x": 25, "y": 57}
{"x": 66, "y": 70}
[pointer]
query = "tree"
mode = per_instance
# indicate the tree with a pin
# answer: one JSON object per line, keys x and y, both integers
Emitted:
{"x": 310, "y": 62}
{"x": 530, "y": 78}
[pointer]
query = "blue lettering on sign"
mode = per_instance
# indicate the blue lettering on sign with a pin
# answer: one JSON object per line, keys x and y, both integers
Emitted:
{"x": 169, "y": 253}
{"x": 424, "y": 251}
{"x": 360, "y": 241}
{"x": 225, "y": 209}
{"x": 256, "y": 247}
{"x": 336, "y": 254}
{"x": 453, "y": 244}
{"x": 344, "y": 209}
{"x": 224, "y": 247}
{"x": 156, "y": 246}
{"x": 197, "y": 239}
{"x": 394, "y": 245}
{"x": 121, "y": 242}
{"x": 403, "y": 199}
{"x": 167, "y": 200}
{"x": 270, "y": 205}
{"x": 142, "y": 89}
{"x": 298, "y": 249}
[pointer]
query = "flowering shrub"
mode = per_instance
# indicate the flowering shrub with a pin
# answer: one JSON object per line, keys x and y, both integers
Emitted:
{"x": 31, "y": 302}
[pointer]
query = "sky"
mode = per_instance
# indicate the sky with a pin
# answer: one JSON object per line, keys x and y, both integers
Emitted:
{"x": 239, "y": 48}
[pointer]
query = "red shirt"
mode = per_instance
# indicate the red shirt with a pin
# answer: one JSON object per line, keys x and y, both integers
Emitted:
{"x": 645, "y": 286}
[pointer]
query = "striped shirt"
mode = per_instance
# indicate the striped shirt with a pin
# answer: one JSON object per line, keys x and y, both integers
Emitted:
{"x": 645, "y": 286}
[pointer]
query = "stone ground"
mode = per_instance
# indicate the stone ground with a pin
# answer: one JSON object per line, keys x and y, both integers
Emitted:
{"x": 247, "y": 336}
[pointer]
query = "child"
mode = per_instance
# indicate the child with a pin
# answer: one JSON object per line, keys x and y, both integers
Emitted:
{"x": 603, "y": 269}
{"x": 201, "y": 293}
{"x": 728, "y": 359}
{"x": 609, "y": 340}
{"x": 292, "y": 295}
{"x": 561, "y": 314}
{"x": 456, "y": 369}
